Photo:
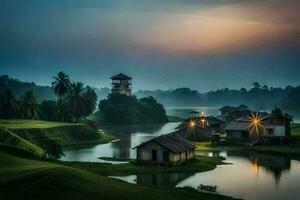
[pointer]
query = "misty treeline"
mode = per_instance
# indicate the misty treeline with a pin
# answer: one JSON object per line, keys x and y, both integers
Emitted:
{"x": 74, "y": 102}
{"x": 258, "y": 97}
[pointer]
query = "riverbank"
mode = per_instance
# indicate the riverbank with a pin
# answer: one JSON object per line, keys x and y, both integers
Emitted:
{"x": 200, "y": 164}
{"x": 32, "y": 179}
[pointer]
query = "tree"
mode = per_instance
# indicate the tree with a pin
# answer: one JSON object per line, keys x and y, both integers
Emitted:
{"x": 90, "y": 98}
{"x": 53, "y": 149}
{"x": 48, "y": 110}
{"x": 8, "y": 105}
{"x": 256, "y": 85}
{"x": 123, "y": 109}
{"x": 76, "y": 101}
{"x": 61, "y": 86}
{"x": 277, "y": 111}
{"x": 29, "y": 105}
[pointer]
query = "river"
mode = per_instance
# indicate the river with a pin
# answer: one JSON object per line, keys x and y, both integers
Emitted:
{"x": 249, "y": 176}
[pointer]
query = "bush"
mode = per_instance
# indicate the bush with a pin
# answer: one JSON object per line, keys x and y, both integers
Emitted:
{"x": 53, "y": 149}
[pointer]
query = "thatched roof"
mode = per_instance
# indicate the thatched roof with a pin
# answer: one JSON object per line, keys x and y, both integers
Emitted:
{"x": 171, "y": 141}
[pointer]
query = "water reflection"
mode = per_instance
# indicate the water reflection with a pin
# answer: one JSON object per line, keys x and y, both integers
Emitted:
{"x": 251, "y": 175}
{"x": 129, "y": 137}
{"x": 275, "y": 165}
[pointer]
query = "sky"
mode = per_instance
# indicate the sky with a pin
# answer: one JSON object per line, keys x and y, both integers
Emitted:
{"x": 201, "y": 44}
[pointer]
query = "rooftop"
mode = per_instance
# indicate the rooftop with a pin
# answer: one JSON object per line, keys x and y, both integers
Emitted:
{"x": 171, "y": 141}
{"x": 120, "y": 77}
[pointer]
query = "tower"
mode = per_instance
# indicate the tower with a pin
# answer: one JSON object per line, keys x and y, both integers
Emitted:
{"x": 121, "y": 84}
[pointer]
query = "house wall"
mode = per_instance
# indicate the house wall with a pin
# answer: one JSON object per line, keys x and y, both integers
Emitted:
{"x": 238, "y": 134}
{"x": 144, "y": 153}
{"x": 278, "y": 130}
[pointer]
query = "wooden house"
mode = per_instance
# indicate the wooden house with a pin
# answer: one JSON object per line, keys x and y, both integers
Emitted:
{"x": 165, "y": 149}
{"x": 271, "y": 126}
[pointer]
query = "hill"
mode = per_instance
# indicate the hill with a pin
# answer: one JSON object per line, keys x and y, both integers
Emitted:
{"x": 8, "y": 138}
{"x": 37, "y": 132}
{"x": 30, "y": 179}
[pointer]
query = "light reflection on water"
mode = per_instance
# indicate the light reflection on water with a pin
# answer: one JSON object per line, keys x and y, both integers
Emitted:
{"x": 250, "y": 176}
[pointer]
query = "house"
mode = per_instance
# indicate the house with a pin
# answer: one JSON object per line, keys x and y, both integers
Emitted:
{"x": 165, "y": 149}
{"x": 271, "y": 126}
{"x": 121, "y": 84}
{"x": 203, "y": 128}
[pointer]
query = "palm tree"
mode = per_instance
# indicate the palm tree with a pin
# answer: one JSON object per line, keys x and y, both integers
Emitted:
{"x": 8, "y": 104}
{"x": 76, "y": 101}
{"x": 61, "y": 86}
{"x": 90, "y": 97}
{"x": 29, "y": 105}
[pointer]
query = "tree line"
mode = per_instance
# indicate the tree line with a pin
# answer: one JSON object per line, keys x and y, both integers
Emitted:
{"x": 75, "y": 102}
{"x": 258, "y": 97}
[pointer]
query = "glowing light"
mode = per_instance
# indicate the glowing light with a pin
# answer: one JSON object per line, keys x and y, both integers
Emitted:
{"x": 255, "y": 123}
{"x": 192, "y": 124}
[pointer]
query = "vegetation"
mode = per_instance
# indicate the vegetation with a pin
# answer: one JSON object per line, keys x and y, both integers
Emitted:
{"x": 200, "y": 164}
{"x": 29, "y": 106}
{"x": 75, "y": 102}
{"x": 123, "y": 109}
{"x": 8, "y": 105}
{"x": 175, "y": 119}
{"x": 259, "y": 97}
{"x": 8, "y": 138}
{"x": 53, "y": 149}
{"x": 61, "y": 86}
{"x": 29, "y": 179}
{"x": 40, "y": 132}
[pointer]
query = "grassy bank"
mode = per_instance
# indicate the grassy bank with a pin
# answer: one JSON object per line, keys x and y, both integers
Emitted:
{"x": 30, "y": 179}
{"x": 37, "y": 132}
{"x": 201, "y": 164}
{"x": 9, "y": 139}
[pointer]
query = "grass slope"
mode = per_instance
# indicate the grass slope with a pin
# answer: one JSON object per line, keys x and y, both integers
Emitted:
{"x": 37, "y": 132}
{"x": 9, "y": 139}
{"x": 28, "y": 179}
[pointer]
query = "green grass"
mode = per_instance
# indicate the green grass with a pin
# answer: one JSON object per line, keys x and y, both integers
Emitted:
{"x": 8, "y": 138}
{"x": 37, "y": 132}
{"x": 31, "y": 124}
{"x": 200, "y": 164}
{"x": 295, "y": 129}
{"x": 30, "y": 179}
{"x": 175, "y": 119}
